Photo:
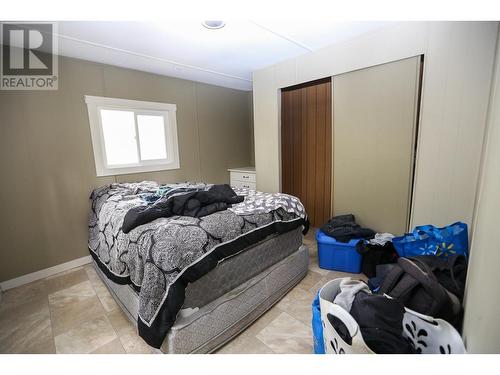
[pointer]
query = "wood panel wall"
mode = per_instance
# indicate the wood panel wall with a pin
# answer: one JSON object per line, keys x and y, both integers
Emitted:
{"x": 306, "y": 146}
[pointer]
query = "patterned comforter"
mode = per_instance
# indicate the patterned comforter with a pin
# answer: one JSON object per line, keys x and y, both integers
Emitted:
{"x": 161, "y": 258}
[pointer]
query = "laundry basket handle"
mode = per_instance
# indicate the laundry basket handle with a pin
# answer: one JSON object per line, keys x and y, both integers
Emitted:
{"x": 344, "y": 317}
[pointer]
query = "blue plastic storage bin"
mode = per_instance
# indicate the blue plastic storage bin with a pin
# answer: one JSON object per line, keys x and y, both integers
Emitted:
{"x": 336, "y": 255}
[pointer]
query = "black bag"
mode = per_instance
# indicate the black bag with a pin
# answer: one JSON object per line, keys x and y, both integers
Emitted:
{"x": 451, "y": 272}
{"x": 373, "y": 255}
{"x": 415, "y": 283}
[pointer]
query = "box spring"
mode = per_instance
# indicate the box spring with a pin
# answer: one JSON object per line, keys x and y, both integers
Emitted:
{"x": 222, "y": 303}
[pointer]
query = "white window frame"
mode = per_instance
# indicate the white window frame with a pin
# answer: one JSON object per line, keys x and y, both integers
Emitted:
{"x": 94, "y": 106}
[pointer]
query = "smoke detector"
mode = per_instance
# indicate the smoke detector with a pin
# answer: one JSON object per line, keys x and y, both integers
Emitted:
{"x": 213, "y": 25}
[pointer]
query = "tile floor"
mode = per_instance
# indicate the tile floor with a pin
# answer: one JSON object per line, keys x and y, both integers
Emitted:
{"x": 73, "y": 312}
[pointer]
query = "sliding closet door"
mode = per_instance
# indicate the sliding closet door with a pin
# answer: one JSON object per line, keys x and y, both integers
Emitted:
{"x": 306, "y": 146}
{"x": 375, "y": 116}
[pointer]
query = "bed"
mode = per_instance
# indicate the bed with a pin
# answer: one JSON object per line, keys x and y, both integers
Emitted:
{"x": 190, "y": 284}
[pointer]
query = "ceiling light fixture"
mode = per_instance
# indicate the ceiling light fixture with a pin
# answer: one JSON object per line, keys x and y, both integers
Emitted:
{"x": 213, "y": 25}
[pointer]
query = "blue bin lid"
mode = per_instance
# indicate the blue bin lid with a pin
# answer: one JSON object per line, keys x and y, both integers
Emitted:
{"x": 326, "y": 239}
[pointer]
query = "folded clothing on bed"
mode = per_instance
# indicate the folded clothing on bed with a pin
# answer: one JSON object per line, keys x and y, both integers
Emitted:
{"x": 161, "y": 257}
{"x": 194, "y": 202}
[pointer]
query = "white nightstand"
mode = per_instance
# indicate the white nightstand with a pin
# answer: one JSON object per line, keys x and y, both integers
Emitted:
{"x": 243, "y": 177}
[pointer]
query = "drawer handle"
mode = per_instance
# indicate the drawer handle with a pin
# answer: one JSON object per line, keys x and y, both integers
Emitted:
{"x": 246, "y": 176}
{"x": 246, "y": 186}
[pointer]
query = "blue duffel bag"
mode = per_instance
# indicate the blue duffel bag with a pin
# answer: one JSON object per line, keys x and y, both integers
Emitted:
{"x": 317, "y": 327}
{"x": 429, "y": 240}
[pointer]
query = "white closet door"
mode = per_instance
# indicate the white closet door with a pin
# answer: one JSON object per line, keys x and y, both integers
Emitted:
{"x": 374, "y": 122}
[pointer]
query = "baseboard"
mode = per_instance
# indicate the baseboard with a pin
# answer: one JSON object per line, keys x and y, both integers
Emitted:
{"x": 42, "y": 274}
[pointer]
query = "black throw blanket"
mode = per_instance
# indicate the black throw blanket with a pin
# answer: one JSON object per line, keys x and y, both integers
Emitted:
{"x": 197, "y": 203}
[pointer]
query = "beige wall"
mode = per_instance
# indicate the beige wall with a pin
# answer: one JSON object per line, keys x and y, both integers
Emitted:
{"x": 458, "y": 66}
{"x": 482, "y": 312}
{"x": 46, "y": 161}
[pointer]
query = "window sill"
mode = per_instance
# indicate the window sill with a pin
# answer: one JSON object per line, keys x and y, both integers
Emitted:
{"x": 139, "y": 169}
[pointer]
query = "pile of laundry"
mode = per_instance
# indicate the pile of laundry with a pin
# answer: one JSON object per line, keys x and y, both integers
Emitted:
{"x": 375, "y": 248}
{"x": 413, "y": 300}
{"x": 183, "y": 200}
{"x": 344, "y": 228}
{"x": 426, "y": 284}
{"x": 380, "y": 319}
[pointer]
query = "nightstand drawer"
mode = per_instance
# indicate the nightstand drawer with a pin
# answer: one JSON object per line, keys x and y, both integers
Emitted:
{"x": 243, "y": 184}
{"x": 242, "y": 176}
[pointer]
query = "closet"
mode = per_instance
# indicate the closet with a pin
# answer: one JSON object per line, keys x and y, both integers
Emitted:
{"x": 348, "y": 144}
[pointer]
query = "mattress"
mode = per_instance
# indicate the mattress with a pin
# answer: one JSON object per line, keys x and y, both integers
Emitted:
{"x": 204, "y": 329}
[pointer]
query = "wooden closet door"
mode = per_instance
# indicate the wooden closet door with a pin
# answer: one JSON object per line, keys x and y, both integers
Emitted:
{"x": 306, "y": 147}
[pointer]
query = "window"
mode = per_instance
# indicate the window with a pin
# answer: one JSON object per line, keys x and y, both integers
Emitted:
{"x": 130, "y": 136}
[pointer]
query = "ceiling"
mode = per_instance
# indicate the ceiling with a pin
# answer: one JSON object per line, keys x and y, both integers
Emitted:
{"x": 185, "y": 49}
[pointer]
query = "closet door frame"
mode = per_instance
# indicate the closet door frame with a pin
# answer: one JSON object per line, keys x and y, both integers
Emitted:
{"x": 416, "y": 135}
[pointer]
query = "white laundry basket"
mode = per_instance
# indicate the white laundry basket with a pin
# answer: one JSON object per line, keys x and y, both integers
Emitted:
{"x": 334, "y": 344}
{"x": 427, "y": 335}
